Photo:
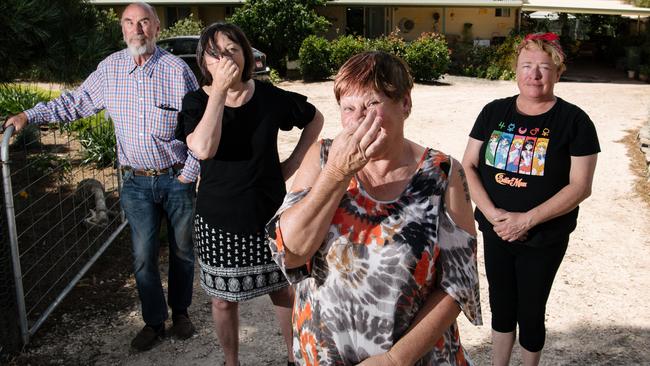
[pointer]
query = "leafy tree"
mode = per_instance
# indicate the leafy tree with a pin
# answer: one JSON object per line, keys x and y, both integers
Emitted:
{"x": 345, "y": 47}
{"x": 184, "y": 27}
{"x": 428, "y": 57}
{"x": 315, "y": 54}
{"x": 55, "y": 40}
{"x": 278, "y": 27}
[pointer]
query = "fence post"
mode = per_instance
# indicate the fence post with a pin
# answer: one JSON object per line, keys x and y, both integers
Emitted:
{"x": 10, "y": 336}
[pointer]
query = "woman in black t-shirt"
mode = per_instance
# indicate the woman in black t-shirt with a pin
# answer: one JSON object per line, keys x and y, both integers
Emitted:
{"x": 231, "y": 124}
{"x": 530, "y": 161}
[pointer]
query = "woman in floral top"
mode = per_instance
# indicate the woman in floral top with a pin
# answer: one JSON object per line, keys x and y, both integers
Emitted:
{"x": 377, "y": 234}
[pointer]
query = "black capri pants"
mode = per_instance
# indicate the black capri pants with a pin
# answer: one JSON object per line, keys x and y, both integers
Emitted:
{"x": 520, "y": 279}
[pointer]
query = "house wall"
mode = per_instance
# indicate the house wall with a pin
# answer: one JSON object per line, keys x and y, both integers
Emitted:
{"x": 422, "y": 17}
{"x": 485, "y": 24}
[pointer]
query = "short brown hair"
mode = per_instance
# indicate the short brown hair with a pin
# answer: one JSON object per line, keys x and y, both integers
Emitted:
{"x": 552, "y": 49}
{"x": 378, "y": 70}
{"x": 235, "y": 34}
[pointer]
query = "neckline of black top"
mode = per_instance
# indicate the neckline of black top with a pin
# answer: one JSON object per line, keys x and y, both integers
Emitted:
{"x": 241, "y": 106}
{"x": 519, "y": 114}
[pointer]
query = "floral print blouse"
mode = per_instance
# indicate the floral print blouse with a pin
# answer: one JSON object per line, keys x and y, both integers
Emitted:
{"x": 375, "y": 269}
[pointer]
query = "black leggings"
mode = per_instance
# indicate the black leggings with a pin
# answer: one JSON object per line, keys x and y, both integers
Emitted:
{"x": 520, "y": 279}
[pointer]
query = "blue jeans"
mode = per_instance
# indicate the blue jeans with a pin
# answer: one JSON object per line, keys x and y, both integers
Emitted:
{"x": 146, "y": 201}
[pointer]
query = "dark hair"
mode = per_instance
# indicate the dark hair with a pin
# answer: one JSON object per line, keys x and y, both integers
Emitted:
{"x": 378, "y": 70}
{"x": 235, "y": 34}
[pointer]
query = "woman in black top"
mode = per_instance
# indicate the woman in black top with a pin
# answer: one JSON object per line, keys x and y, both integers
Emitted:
{"x": 231, "y": 124}
{"x": 530, "y": 161}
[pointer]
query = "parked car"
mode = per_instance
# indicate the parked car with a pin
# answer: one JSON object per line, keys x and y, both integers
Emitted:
{"x": 185, "y": 48}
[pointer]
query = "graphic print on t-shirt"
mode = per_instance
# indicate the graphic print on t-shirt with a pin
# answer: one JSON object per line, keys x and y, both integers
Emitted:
{"x": 517, "y": 153}
{"x": 503, "y": 147}
{"x": 491, "y": 148}
{"x": 526, "y": 162}
{"x": 539, "y": 156}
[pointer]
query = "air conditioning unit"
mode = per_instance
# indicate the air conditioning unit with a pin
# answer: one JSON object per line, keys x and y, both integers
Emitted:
{"x": 406, "y": 25}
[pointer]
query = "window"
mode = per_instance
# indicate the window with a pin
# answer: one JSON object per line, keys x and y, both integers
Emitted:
{"x": 502, "y": 12}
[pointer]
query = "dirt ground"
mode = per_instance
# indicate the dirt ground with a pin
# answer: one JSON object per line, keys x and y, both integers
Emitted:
{"x": 597, "y": 313}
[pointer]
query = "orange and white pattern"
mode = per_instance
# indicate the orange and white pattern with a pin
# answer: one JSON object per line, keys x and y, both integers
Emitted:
{"x": 375, "y": 269}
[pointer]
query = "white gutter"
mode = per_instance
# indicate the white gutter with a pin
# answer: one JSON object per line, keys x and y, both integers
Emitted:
{"x": 606, "y": 7}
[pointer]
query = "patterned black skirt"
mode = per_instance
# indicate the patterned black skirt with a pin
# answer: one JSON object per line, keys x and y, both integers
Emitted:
{"x": 235, "y": 267}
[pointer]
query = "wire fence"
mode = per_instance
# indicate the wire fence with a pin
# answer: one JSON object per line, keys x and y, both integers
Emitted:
{"x": 61, "y": 212}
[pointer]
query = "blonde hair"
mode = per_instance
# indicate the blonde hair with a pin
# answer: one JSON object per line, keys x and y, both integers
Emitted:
{"x": 552, "y": 49}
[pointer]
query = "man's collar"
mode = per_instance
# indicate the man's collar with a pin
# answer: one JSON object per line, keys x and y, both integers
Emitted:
{"x": 148, "y": 65}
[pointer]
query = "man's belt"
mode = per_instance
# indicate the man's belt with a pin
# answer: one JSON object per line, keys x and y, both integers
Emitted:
{"x": 153, "y": 172}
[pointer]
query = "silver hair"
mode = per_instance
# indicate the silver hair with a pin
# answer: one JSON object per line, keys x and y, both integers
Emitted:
{"x": 147, "y": 7}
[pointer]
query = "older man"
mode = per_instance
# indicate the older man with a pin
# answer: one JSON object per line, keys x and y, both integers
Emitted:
{"x": 142, "y": 88}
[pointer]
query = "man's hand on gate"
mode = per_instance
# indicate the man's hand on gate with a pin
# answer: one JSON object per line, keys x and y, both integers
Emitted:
{"x": 19, "y": 121}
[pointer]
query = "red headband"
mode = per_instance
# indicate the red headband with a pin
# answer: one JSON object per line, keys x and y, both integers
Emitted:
{"x": 552, "y": 38}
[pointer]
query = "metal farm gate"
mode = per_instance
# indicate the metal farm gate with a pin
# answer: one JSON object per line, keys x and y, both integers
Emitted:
{"x": 60, "y": 211}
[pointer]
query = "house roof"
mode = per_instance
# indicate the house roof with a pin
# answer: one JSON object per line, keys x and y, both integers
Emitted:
{"x": 450, "y": 3}
{"x": 611, "y": 7}
{"x": 608, "y": 7}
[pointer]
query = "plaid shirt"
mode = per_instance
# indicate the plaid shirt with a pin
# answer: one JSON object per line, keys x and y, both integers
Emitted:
{"x": 143, "y": 102}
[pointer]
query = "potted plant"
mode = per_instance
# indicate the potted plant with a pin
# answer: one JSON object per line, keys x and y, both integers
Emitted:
{"x": 644, "y": 72}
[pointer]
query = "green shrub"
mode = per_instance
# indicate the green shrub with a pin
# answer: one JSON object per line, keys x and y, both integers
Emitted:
{"x": 53, "y": 167}
{"x": 393, "y": 44}
{"x": 504, "y": 58}
{"x": 345, "y": 47}
{"x": 15, "y": 99}
{"x": 428, "y": 57}
{"x": 184, "y": 27}
{"x": 493, "y": 62}
{"x": 644, "y": 69}
{"x": 315, "y": 54}
{"x": 58, "y": 40}
{"x": 278, "y": 27}
{"x": 98, "y": 143}
{"x": 274, "y": 76}
{"x": 469, "y": 60}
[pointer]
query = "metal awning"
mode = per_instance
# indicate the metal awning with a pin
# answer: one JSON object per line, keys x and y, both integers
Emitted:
{"x": 607, "y": 7}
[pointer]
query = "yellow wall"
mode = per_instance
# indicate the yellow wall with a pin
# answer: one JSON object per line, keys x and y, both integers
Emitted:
{"x": 421, "y": 16}
{"x": 484, "y": 24}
